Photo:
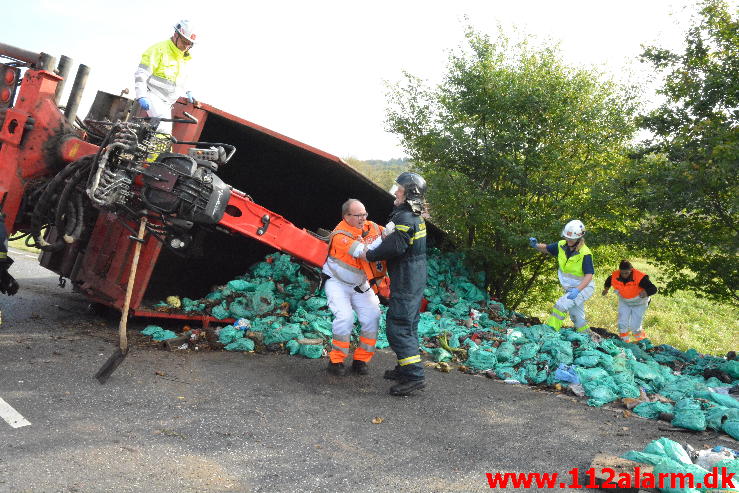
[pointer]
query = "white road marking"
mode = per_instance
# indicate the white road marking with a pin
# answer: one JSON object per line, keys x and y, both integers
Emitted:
{"x": 22, "y": 253}
{"x": 11, "y": 416}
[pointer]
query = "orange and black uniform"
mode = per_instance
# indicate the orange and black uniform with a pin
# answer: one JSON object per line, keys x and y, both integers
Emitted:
{"x": 405, "y": 252}
{"x": 8, "y": 284}
{"x": 631, "y": 306}
{"x": 630, "y": 287}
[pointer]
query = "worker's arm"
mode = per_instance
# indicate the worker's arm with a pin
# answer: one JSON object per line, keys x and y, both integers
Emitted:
{"x": 393, "y": 245}
{"x": 588, "y": 271}
{"x": 585, "y": 281}
{"x": 550, "y": 248}
{"x": 149, "y": 61}
{"x": 606, "y": 286}
{"x": 649, "y": 288}
{"x": 542, "y": 247}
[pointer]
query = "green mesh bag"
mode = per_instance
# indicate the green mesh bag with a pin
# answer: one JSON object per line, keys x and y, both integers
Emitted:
{"x": 262, "y": 300}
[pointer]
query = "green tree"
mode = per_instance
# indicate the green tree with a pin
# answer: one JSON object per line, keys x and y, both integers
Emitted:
{"x": 383, "y": 173}
{"x": 512, "y": 142}
{"x": 686, "y": 184}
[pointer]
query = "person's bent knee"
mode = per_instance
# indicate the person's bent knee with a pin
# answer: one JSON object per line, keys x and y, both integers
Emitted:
{"x": 344, "y": 317}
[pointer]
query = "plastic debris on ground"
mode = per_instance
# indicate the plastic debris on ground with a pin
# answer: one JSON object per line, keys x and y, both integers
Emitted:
{"x": 705, "y": 467}
{"x": 278, "y": 308}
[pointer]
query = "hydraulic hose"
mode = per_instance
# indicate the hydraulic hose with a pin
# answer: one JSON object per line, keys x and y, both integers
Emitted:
{"x": 46, "y": 200}
{"x": 64, "y": 199}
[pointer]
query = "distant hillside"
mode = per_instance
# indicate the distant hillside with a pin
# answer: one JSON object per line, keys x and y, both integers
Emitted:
{"x": 381, "y": 172}
{"x": 404, "y": 162}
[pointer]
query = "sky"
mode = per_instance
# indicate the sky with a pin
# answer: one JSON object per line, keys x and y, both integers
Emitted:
{"x": 317, "y": 71}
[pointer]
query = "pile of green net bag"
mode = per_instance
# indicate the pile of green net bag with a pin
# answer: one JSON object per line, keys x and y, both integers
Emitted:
{"x": 277, "y": 304}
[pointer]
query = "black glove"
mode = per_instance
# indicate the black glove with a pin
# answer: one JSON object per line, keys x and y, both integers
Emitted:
{"x": 8, "y": 284}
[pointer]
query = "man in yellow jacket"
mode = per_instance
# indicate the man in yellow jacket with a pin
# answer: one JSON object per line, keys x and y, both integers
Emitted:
{"x": 161, "y": 75}
{"x": 349, "y": 288}
{"x": 575, "y": 272}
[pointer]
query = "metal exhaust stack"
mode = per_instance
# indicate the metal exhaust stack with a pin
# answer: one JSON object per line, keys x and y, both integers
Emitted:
{"x": 73, "y": 103}
{"x": 62, "y": 70}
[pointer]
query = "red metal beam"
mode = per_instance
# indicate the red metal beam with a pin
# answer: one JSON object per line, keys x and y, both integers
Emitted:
{"x": 251, "y": 219}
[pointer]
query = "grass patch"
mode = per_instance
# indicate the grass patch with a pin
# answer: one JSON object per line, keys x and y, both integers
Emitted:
{"x": 21, "y": 245}
{"x": 684, "y": 320}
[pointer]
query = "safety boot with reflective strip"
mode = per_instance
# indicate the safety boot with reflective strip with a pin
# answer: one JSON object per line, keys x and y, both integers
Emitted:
{"x": 639, "y": 336}
{"x": 625, "y": 336}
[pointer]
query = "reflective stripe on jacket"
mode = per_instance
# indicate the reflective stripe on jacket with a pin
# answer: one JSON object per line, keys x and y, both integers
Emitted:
{"x": 345, "y": 241}
{"x": 571, "y": 267}
{"x": 161, "y": 71}
{"x": 630, "y": 289}
{"x": 405, "y": 252}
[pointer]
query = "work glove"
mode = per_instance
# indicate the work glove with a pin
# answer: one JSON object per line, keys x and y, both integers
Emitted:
{"x": 190, "y": 98}
{"x": 144, "y": 103}
{"x": 533, "y": 242}
{"x": 572, "y": 293}
{"x": 375, "y": 243}
{"x": 389, "y": 228}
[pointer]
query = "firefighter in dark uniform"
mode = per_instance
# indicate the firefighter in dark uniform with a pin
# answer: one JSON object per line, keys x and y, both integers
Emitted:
{"x": 8, "y": 285}
{"x": 404, "y": 248}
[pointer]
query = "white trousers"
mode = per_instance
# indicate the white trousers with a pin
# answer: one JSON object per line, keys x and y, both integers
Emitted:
{"x": 344, "y": 301}
{"x": 631, "y": 314}
{"x": 159, "y": 108}
{"x": 576, "y": 307}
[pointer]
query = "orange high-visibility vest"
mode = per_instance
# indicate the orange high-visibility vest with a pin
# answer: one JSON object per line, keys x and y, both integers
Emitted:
{"x": 629, "y": 289}
{"x": 341, "y": 240}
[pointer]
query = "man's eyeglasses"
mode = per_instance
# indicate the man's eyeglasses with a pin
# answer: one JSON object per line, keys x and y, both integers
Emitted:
{"x": 358, "y": 215}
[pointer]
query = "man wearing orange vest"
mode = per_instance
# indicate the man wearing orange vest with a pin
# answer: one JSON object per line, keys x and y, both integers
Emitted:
{"x": 348, "y": 288}
{"x": 634, "y": 289}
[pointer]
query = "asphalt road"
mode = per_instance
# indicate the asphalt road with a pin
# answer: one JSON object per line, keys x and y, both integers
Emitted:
{"x": 219, "y": 421}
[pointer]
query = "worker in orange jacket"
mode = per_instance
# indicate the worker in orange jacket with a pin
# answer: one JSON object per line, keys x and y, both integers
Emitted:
{"x": 634, "y": 289}
{"x": 349, "y": 288}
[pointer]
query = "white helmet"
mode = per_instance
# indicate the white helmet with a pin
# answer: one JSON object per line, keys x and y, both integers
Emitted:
{"x": 573, "y": 230}
{"x": 185, "y": 30}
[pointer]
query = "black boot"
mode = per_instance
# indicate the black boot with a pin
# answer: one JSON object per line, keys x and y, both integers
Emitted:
{"x": 360, "y": 367}
{"x": 407, "y": 387}
{"x": 337, "y": 369}
{"x": 393, "y": 374}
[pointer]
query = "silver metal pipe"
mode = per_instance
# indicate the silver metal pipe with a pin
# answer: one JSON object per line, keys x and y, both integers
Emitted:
{"x": 62, "y": 70}
{"x": 76, "y": 95}
{"x": 41, "y": 61}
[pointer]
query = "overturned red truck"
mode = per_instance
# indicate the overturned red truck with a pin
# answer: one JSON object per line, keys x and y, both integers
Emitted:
{"x": 216, "y": 193}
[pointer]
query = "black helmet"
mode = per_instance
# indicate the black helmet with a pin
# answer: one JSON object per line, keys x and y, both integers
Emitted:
{"x": 415, "y": 189}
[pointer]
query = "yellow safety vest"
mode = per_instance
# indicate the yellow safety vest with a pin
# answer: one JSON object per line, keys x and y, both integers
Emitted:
{"x": 166, "y": 65}
{"x": 571, "y": 267}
